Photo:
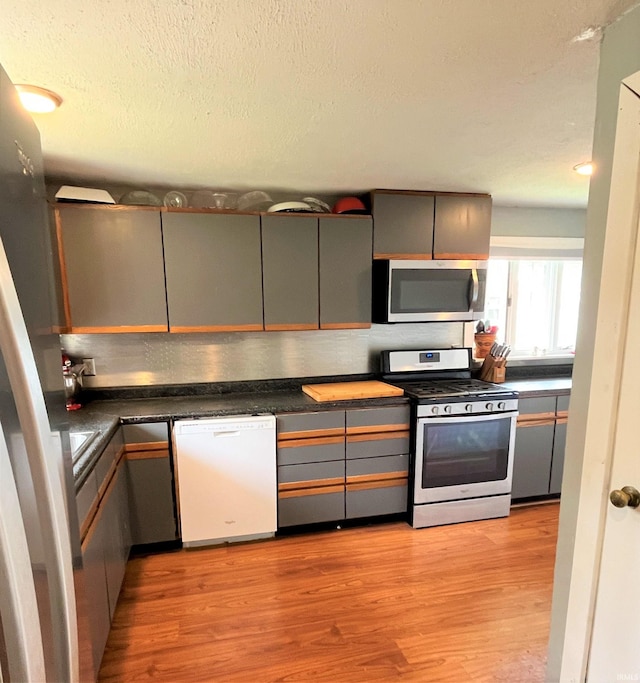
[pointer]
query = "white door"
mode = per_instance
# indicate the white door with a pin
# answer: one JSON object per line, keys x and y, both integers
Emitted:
{"x": 615, "y": 641}
{"x": 595, "y": 633}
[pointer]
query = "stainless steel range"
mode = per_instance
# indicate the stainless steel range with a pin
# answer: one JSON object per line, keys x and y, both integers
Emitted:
{"x": 463, "y": 433}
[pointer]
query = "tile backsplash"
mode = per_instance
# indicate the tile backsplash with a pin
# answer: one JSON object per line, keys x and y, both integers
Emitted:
{"x": 162, "y": 358}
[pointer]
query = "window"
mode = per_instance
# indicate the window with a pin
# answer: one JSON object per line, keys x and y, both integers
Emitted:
{"x": 535, "y": 303}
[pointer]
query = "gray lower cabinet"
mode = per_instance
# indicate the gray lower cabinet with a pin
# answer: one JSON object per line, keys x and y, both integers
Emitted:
{"x": 118, "y": 537}
{"x": 377, "y": 467}
{"x": 95, "y": 584}
{"x": 532, "y": 460}
{"x": 290, "y": 272}
{"x": 152, "y": 511}
{"x": 112, "y": 268}
{"x": 337, "y": 465}
{"x": 213, "y": 271}
{"x": 104, "y": 522}
{"x": 539, "y": 447}
{"x": 311, "y": 467}
{"x": 559, "y": 443}
{"x": 345, "y": 272}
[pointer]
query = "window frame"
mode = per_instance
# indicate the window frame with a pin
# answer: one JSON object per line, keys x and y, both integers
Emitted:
{"x": 556, "y": 250}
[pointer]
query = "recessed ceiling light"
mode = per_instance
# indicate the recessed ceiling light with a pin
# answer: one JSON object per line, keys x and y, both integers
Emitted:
{"x": 38, "y": 100}
{"x": 585, "y": 168}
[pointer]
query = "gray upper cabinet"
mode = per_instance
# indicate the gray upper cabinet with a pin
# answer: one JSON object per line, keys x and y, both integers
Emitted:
{"x": 403, "y": 225}
{"x": 290, "y": 272}
{"x": 425, "y": 225}
{"x": 345, "y": 272}
{"x": 462, "y": 227}
{"x": 213, "y": 270}
{"x": 112, "y": 270}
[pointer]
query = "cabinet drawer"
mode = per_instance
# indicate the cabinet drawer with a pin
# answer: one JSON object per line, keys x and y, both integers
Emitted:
{"x": 371, "y": 445}
{"x": 379, "y": 501}
{"x": 306, "y": 425}
{"x": 377, "y": 419}
{"x": 146, "y": 433}
{"x": 562, "y": 404}
{"x": 105, "y": 464}
{"x": 85, "y": 498}
{"x": 393, "y": 466}
{"x": 299, "y": 451}
{"x": 539, "y": 405}
{"x": 312, "y": 474}
{"x": 321, "y": 507}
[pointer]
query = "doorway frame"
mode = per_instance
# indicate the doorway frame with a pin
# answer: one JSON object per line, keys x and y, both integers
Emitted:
{"x": 593, "y": 416}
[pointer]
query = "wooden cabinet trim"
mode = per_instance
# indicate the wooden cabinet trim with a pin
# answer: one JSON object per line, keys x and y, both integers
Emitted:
{"x": 296, "y": 327}
{"x": 310, "y": 484}
{"x": 317, "y": 441}
{"x": 562, "y": 415}
{"x": 379, "y": 476}
{"x": 148, "y": 455}
{"x": 412, "y": 257}
{"x": 378, "y": 436}
{"x": 562, "y": 420}
{"x": 120, "y": 329}
{"x": 63, "y": 271}
{"x": 345, "y": 326}
{"x": 92, "y": 519}
{"x": 377, "y": 430}
{"x": 299, "y": 493}
{"x": 310, "y": 434}
{"x": 461, "y": 257}
{"x": 71, "y": 206}
{"x": 428, "y": 193}
{"x": 536, "y": 419}
{"x": 146, "y": 446}
{"x": 377, "y": 484}
{"x": 182, "y": 329}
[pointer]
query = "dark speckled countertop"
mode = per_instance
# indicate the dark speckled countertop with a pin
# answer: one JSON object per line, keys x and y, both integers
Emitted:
{"x": 122, "y": 407}
{"x": 529, "y": 388}
{"x": 106, "y": 415}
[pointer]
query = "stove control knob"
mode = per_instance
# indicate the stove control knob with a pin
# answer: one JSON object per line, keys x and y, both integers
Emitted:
{"x": 502, "y": 405}
{"x": 489, "y": 406}
{"x": 469, "y": 407}
{"x": 447, "y": 409}
{"x": 435, "y": 410}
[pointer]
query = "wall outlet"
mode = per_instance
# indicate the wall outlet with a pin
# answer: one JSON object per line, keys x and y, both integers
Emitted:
{"x": 89, "y": 366}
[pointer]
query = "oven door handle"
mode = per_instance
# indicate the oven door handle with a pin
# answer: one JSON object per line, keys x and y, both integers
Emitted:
{"x": 475, "y": 290}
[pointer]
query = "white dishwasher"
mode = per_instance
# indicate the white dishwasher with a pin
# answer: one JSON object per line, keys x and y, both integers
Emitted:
{"x": 226, "y": 478}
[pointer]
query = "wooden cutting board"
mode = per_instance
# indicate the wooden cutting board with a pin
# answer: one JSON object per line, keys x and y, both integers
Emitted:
{"x": 344, "y": 391}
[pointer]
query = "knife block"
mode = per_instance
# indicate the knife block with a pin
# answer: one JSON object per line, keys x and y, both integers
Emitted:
{"x": 493, "y": 370}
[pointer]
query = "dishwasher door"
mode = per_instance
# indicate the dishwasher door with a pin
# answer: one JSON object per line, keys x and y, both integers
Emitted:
{"x": 226, "y": 478}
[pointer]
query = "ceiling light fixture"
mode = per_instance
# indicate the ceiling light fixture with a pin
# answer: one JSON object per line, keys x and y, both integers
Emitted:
{"x": 585, "y": 168}
{"x": 38, "y": 100}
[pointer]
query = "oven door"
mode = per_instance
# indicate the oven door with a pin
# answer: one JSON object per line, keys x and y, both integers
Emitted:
{"x": 464, "y": 457}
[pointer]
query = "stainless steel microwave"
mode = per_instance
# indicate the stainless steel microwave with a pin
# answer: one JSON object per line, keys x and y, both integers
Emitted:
{"x": 428, "y": 291}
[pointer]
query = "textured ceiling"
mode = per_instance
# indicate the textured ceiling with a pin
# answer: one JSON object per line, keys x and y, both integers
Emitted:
{"x": 316, "y": 95}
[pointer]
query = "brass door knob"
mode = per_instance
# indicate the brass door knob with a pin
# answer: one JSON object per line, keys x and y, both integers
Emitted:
{"x": 628, "y": 495}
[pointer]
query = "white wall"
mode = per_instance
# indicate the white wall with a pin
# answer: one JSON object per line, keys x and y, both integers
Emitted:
{"x": 619, "y": 58}
{"x": 538, "y": 222}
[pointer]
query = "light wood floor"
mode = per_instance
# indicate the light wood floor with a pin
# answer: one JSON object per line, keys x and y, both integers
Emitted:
{"x": 468, "y": 602}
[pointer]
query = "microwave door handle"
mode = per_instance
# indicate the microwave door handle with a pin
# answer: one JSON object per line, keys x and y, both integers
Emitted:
{"x": 475, "y": 291}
